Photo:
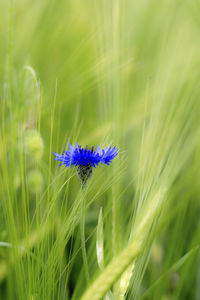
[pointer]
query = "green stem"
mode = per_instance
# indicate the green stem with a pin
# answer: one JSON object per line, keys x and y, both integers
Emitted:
{"x": 83, "y": 247}
{"x": 10, "y": 47}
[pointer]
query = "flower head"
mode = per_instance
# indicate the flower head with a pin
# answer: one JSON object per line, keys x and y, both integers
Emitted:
{"x": 77, "y": 156}
{"x": 86, "y": 158}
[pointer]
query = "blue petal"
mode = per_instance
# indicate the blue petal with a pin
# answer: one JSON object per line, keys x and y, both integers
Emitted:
{"x": 80, "y": 156}
{"x": 108, "y": 155}
{"x": 71, "y": 148}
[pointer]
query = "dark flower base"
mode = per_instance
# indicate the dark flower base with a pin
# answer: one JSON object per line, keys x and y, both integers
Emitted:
{"x": 84, "y": 173}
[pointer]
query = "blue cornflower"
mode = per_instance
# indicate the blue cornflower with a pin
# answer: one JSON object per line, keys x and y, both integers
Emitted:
{"x": 86, "y": 158}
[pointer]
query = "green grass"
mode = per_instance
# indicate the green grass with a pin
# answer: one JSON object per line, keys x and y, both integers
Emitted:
{"x": 124, "y": 73}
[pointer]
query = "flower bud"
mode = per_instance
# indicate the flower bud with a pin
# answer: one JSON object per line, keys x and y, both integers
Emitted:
{"x": 35, "y": 181}
{"x": 33, "y": 144}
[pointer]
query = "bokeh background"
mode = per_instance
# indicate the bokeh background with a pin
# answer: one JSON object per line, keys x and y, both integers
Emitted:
{"x": 122, "y": 73}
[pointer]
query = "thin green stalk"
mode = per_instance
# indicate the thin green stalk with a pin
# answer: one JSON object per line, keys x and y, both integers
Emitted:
{"x": 116, "y": 82}
{"x": 10, "y": 47}
{"x": 83, "y": 247}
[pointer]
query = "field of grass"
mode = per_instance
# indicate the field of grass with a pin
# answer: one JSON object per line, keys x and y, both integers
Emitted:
{"x": 121, "y": 73}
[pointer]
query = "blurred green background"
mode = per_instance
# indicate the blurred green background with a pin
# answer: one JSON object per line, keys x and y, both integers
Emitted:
{"x": 124, "y": 73}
